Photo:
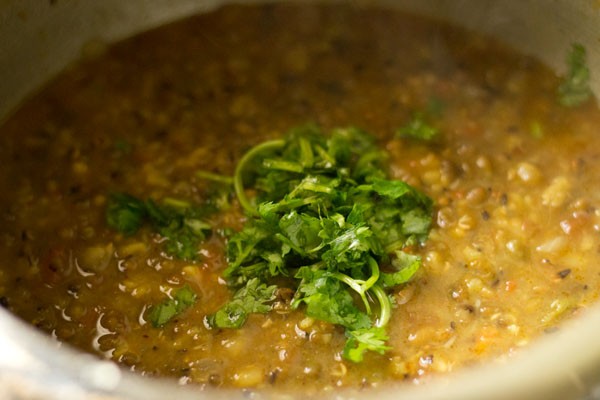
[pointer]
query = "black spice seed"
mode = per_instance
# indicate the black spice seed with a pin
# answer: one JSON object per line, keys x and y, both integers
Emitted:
{"x": 75, "y": 189}
{"x": 273, "y": 376}
{"x": 485, "y": 215}
{"x": 504, "y": 199}
{"x": 564, "y": 273}
{"x": 161, "y": 134}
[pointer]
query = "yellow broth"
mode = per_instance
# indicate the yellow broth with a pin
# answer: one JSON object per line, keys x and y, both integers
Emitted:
{"x": 513, "y": 252}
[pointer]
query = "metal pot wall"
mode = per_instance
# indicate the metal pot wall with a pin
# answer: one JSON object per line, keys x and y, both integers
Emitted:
{"x": 38, "y": 39}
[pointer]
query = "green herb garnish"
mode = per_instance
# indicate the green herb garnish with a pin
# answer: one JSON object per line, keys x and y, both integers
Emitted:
{"x": 361, "y": 340}
{"x": 575, "y": 89}
{"x": 181, "y": 300}
{"x": 125, "y": 213}
{"x": 251, "y": 298}
{"x": 420, "y": 127}
{"x": 181, "y": 224}
{"x": 328, "y": 224}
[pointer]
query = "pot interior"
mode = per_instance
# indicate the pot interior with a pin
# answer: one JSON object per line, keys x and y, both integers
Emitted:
{"x": 43, "y": 39}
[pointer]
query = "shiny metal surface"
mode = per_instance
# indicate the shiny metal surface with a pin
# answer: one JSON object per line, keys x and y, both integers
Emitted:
{"x": 39, "y": 38}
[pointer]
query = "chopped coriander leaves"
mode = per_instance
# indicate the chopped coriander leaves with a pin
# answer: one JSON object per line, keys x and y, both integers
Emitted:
{"x": 574, "y": 89}
{"x": 361, "y": 340}
{"x": 324, "y": 217}
{"x": 418, "y": 128}
{"x": 181, "y": 224}
{"x": 211, "y": 176}
{"x": 125, "y": 213}
{"x": 325, "y": 299}
{"x": 405, "y": 267}
{"x": 251, "y": 298}
{"x": 181, "y": 300}
{"x": 421, "y": 126}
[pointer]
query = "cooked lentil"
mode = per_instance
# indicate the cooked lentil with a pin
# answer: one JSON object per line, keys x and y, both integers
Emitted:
{"x": 515, "y": 246}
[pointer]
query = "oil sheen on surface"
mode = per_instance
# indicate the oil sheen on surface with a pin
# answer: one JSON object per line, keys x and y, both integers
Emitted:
{"x": 514, "y": 249}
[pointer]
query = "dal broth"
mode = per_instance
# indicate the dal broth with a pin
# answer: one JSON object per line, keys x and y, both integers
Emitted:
{"x": 514, "y": 249}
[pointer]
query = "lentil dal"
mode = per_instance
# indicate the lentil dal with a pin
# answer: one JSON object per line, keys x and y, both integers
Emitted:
{"x": 513, "y": 251}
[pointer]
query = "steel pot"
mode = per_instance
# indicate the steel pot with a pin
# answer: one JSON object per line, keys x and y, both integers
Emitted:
{"x": 38, "y": 39}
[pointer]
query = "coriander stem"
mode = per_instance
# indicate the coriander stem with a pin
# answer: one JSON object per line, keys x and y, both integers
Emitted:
{"x": 283, "y": 165}
{"x": 362, "y": 287}
{"x": 211, "y": 176}
{"x": 238, "y": 179}
{"x": 357, "y": 285}
{"x": 177, "y": 203}
{"x": 384, "y": 304}
{"x": 306, "y": 153}
{"x": 374, "y": 274}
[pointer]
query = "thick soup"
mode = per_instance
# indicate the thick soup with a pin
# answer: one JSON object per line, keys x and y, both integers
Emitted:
{"x": 161, "y": 121}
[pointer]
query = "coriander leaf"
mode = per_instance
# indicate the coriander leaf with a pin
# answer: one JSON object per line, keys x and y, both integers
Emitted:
{"x": 182, "y": 299}
{"x": 252, "y": 298}
{"x": 336, "y": 308}
{"x": 392, "y": 189}
{"x": 182, "y": 242}
{"x": 326, "y": 300}
{"x": 574, "y": 89}
{"x": 402, "y": 216}
{"x": 245, "y": 250}
{"x": 181, "y": 224}
{"x": 349, "y": 245}
{"x": 218, "y": 191}
{"x": 416, "y": 222}
{"x": 346, "y": 145}
{"x": 418, "y": 128}
{"x": 356, "y": 154}
{"x": 125, "y": 213}
{"x": 302, "y": 231}
{"x": 361, "y": 340}
{"x": 406, "y": 265}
